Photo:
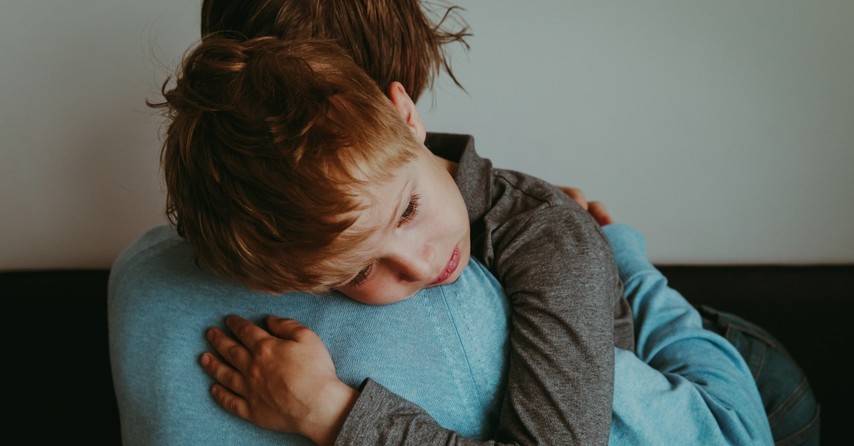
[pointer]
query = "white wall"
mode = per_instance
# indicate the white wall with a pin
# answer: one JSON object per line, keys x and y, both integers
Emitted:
{"x": 723, "y": 130}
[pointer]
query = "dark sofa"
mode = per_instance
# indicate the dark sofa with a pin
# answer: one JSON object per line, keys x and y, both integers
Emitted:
{"x": 56, "y": 360}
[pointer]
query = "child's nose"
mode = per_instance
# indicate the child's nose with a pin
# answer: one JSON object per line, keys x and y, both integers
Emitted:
{"x": 413, "y": 267}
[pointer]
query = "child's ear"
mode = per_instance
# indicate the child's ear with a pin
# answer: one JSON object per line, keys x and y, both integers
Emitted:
{"x": 406, "y": 107}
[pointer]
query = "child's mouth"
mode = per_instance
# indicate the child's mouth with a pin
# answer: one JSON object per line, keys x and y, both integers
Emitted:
{"x": 450, "y": 267}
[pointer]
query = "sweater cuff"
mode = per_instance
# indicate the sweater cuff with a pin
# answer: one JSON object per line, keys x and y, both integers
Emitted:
{"x": 369, "y": 418}
{"x": 360, "y": 415}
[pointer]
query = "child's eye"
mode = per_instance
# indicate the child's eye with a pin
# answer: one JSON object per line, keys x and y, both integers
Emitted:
{"x": 411, "y": 210}
{"x": 361, "y": 276}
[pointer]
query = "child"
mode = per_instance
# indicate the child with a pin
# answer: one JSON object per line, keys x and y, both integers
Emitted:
{"x": 287, "y": 169}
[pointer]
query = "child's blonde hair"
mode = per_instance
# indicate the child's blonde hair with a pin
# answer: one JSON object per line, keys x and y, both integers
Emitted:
{"x": 268, "y": 143}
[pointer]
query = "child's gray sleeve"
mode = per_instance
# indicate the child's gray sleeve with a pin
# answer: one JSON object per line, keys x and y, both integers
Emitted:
{"x": 560, "y": 276}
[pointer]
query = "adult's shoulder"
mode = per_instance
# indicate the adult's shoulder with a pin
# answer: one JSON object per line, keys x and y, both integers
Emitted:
{"x": 151, "y": 248}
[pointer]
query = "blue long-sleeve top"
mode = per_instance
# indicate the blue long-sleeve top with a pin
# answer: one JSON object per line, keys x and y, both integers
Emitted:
{"x": 685, "y": 385}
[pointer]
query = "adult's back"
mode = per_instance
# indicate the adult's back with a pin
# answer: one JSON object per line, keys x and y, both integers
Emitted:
{"x": 443, "y": 349}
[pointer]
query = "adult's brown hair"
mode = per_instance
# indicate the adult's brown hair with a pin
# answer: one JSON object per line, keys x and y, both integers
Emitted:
{"x": 392, "y": 40}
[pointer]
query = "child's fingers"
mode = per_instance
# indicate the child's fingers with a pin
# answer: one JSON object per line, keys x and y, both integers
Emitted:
{"x": 286, "y": 328}
{"x": 229, "y": 401}
{"x": 600, "y": 213}
{"x": 224, "y": 374}
{"x": 596, "y": 208}
{"x": 232, "y": 351}
{"x": 246, "y": 332}
{"x": 576, "y": 194}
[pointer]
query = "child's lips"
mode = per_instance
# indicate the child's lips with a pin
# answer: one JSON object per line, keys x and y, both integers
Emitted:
{"x": 450, "y": 267}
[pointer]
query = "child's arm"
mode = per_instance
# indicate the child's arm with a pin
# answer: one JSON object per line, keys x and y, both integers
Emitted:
{"x": 284, "y": 380}
{"x": 562, "y": 281}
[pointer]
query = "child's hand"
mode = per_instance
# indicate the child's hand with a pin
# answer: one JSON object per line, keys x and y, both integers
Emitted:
{"x": 283, "y": 379}
{"x": 596, "y": 208}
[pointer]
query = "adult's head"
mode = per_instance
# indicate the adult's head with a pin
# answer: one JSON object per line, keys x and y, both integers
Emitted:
{"x": 392, "y": 40}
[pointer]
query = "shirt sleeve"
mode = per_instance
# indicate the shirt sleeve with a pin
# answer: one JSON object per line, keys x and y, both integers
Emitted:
{"x": 560, "y": 276}
{"x": 381, "y": 417}
{"x": 682, "y": 373}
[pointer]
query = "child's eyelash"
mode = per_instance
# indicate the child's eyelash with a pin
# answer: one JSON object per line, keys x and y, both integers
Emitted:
{"x": 411, "y": 210}
{"x": 408, "y": 214}
{"x": 361, "y": 276}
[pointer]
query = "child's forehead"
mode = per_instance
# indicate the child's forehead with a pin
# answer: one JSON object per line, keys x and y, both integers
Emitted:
{"x": 380, "y": 199}
{"x": 374, "y": 219}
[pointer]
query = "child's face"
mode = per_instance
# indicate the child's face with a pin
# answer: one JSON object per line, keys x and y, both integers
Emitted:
{"x": 419, "y": 233}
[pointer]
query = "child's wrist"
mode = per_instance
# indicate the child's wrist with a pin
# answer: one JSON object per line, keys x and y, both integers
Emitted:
{"x": 324, "y": 424}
